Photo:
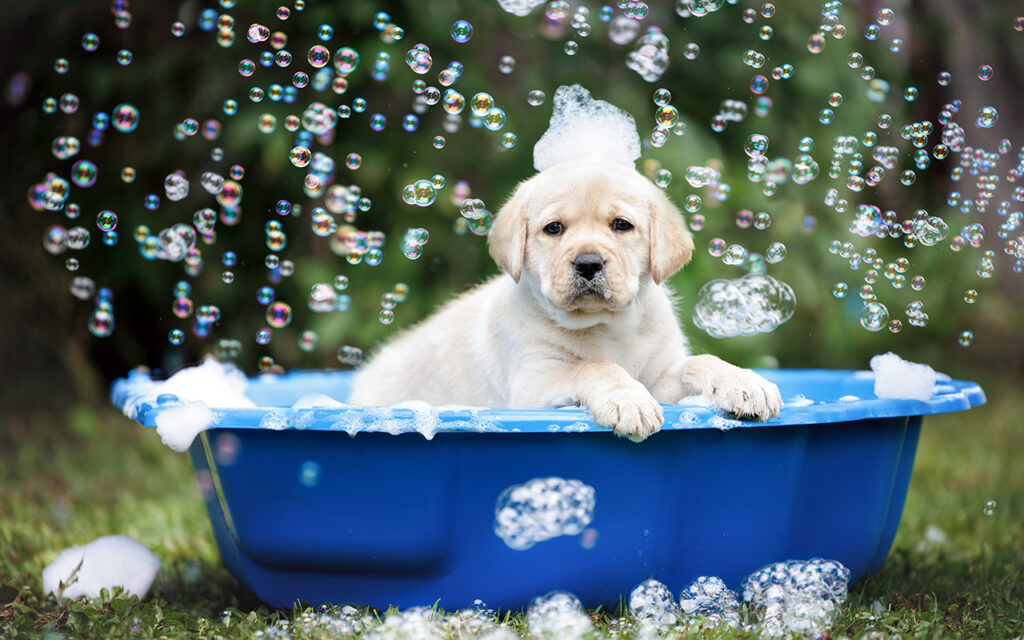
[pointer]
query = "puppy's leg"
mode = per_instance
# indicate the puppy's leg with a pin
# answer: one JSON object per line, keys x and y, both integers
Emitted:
{"x": 730, "y": 388}
{"x": 614, "y": 399}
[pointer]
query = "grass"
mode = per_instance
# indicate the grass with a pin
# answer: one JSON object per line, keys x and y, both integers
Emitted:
{"x": 67, "y": 478}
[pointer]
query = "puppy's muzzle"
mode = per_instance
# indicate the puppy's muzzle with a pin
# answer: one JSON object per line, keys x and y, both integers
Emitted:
{"x": 588, "y": 266}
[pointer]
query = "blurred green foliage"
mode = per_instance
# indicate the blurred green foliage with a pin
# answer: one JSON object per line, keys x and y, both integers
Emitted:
{"x": 48, "y": 348}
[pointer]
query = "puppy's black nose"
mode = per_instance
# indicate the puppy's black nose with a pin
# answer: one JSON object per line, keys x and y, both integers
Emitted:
{"x": 588, "y": 265}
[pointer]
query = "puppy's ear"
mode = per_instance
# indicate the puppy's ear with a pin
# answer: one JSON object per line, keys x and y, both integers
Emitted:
{"x": 671, "y": 242}
{"x": 507, "y": 238}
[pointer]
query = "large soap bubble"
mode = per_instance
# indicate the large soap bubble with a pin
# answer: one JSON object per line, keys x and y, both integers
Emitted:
{"x": 586, "y": 129}
{"x": 755, "y": 303}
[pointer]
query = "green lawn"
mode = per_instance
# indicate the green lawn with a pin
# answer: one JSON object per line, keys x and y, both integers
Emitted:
{"x": 66, "y": 479}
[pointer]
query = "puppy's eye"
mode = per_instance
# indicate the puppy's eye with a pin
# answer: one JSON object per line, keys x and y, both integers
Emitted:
{"x": 554, "y": 228}
{"x": 621, "y": 224}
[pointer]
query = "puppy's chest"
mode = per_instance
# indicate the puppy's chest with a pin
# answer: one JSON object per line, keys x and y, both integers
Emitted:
{"x": 628, "y": 351}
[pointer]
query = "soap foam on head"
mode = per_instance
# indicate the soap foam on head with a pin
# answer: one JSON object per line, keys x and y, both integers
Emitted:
{"x": 901, "y": 379}
{"x": 586, "y": 129}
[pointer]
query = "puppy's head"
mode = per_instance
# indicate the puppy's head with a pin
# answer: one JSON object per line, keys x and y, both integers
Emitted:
{"x": 586, "y": 236}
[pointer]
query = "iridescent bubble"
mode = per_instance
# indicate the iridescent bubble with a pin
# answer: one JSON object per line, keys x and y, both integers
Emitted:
{"x": 346, "y": 60}
{"x": 106, "y": 220}
{"x": 985, "y": 73}
{"x": 756, "y": 145}
{"x": 462, "y": 31}
{"x": 966, "y": 338}
{"x": 816, "y": 43}
{"x": 691, "y": 50}
{"x": 987, "y": 117}
{"x": 176, "y": 336}
{"x": 90, "y": 42}
{"x": 350, "y": 355}
{"x": 970, "y": 296}
{"x": 279, "y": 314}
{"x": 125, "y": 117}
{"x": 874, "y": 316}
{"x": 101, "y": 323}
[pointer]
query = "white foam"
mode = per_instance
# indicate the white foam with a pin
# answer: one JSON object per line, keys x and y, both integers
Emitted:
{"x": 520, "y": 7}
{"x": 179, "y": 424}
{"x": 220, "y": 385}
{"x": 106, "y": 562}
{"x": 582, "y": 128}
{"x": 902, "y": 379}
{"x": 317, "y": 401}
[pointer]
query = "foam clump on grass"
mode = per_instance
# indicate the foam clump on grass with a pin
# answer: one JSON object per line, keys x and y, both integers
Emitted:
{"x": 651, "y": 602}
{"x": 104, "y": 563}
{"x": 901, "y": 379}
{"x": 708, "y": 598}
{"x": 582, "y": 128}
{"x": 557, "y": 615}
{"x": 796, "y": 597}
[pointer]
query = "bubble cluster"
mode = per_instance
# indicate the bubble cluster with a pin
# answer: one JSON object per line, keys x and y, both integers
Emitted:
{"x": 754, "y": 303}
{"x": 708, "y": 598}
{"x": 541, "y": 509}
{"x": 652, "y": 602}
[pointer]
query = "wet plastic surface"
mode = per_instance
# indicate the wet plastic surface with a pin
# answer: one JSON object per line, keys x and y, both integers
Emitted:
{"x": 390, "y": 518}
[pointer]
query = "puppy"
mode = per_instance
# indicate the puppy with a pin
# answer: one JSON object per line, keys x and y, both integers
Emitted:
{"x": 580, "y": 314}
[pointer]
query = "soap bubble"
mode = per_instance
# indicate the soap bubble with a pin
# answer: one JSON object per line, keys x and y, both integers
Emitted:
{"x": 989, "y": 508}
{"x": 754, "y": 303}
{"x": 125, "y": 117}
{"x": 650, "y": 58}
{"x": 775, "y": 253}
{"x": 279, "y": 314}
{"x": 461, "y": 31}
{"x": 966, "y": 338}
{"x": 176, "y": 186}
{"x": 874, "y": 316}
{"x": 987, "y": 117}
{"x": 691, "y": 50}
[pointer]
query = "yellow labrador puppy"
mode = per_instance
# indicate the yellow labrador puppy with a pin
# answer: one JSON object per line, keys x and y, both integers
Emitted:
{"x": 579, "y": 316}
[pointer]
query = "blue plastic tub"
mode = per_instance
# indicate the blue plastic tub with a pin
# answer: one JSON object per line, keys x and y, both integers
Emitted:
{"x": 383, "y": 519}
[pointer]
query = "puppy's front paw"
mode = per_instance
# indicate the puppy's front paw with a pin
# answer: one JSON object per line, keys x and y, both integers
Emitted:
{"x": 746, "y": 394}
{"x": 630, "y": 410}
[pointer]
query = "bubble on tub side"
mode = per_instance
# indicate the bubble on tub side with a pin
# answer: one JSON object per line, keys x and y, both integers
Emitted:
{"x": 799, "y": 400}
{"x": 541, "y": 509}
{"x": 652, "y": 602}
{"x": 707, "y": 598}
{"x": 796, "y": 597}
{"x": 754, "y": 303}
{"x": 557, "y": 615}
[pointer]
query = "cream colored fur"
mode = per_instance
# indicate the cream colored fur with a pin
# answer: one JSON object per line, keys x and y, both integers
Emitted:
{"x": 533, "y": 337}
